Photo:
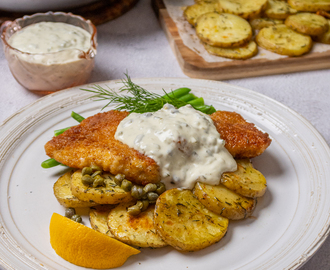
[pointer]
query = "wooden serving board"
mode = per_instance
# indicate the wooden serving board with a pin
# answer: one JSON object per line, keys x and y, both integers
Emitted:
{"x": 195, "y": 66}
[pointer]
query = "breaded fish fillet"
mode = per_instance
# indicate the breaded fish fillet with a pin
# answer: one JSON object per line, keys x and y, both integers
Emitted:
{"x": 93, "y": 142}
{"x": 243, "y": 139}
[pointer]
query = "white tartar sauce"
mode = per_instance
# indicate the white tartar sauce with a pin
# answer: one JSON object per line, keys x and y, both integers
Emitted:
{"x": 184, "y": 142}
{"x": 51, "y": 56}
{"x": 49, "y": 37}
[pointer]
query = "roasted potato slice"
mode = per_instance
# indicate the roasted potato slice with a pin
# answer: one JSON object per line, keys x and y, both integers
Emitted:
{"x": 277, "y": 9}
{"x": 244, "y": 52}
{"x": 283, "y": 40}
{"x": 324, "y": 38}
{"x": 310, "y": 5}
{"x": 98, "y": 217}
{"x": 224, "y": 202}
{"x": 307, "y": 23}
{"x": 62, "y": 192}
{"x": 191, "y": 13}
{"x": 184, "y": 223}
{"x": 246, "y": 9}
{"x": 134, "y": 230}
{"x": 260, "y": 23}
{"x": 223, "y": 30}
{"x": 246, "y": 180}
{"x": 108, "y": 194}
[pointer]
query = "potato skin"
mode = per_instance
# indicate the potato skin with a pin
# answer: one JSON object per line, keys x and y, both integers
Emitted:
{"x": 307, "y": 23}
{"x": 283, "y": 40}
{"x": 247, "y": 9}
{"x": 278, "y": 9}
{"x": 310, "y": 5}
{"x": 134, "y": 230}
{"x": 184, "y": 223}
{"x": 191, "y": 13}
{"x": 110, "y": 194}
{"x": 246, "y": 180}
{"x": 223, "y": 30}
{"x": 62, "y": 192}
{"x": 247, "y": 51}
{"x": 98, "y": 217}
{"x": 324, "y": 38}
{"x": 224, "y": 202}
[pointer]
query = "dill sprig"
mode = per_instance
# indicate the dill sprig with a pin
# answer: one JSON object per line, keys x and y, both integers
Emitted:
{"x": 140, "y": 100}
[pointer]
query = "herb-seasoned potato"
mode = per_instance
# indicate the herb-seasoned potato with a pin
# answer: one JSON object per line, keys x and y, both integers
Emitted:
{"x": 184, "y": 223}
{"x": 282, "y": 40}
{"x": 244, "y": 52}
{"x": 223, "y": 30}
{"x": 260, "y": 23}
{"x": 246, "y": 9}
{"x": 98, "y": 217}
{"x": 310, "y": 5}
{"x": 108, "y": 194}
{"x": 134, "y": 230}
{"x": 191, "y": 13}
{"x": 62, "y": 192}
{"x": 246, "y": 180}
{"x": 224, "y": 202}
{"x": 277, "y": 9}
{"x": 307, "y": 23}
{"x": 324, "y": 38}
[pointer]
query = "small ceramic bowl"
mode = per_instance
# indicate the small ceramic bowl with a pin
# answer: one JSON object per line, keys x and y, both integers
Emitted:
{"x": 44, "y": 73}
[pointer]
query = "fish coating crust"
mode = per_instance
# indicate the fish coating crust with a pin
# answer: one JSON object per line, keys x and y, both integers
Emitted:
{"x": 243, "y": 139}
{"x": 93, "y": 142}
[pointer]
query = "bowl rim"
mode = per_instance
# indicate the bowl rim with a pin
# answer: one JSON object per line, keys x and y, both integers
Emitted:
{"x": 91, "y": 51}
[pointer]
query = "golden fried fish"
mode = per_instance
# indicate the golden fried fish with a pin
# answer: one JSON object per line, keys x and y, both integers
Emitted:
{"x": 93, "y": 142}
{"x": 243, "y": 139}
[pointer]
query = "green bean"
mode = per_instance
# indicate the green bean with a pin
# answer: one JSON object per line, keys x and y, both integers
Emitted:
{"x": 196, "y": 102}
{"x": 205, "y": 109}
{"x": 177, "y": 93}
{"x": 60, "y": 131}
{"x": 49, "y": 163}
{"x": 77, "y": 117}
{"x": 211, "y": 110}
{"x": 188, "y": 97}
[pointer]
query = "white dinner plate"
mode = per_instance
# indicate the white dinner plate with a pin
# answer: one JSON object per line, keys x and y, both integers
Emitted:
{"x": 289, "y": 224}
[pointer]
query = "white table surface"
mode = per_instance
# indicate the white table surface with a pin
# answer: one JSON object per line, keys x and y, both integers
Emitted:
{"x": 136, "y": 43}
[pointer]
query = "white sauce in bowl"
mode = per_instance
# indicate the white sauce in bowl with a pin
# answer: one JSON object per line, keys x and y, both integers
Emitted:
{"x": 50, "y": 37}
{"x": 50, "y": 56}
{"x": 184, "y": 142}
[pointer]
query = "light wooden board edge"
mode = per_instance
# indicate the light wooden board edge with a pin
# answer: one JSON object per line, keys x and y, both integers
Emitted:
{"x": 195, "y": 66}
